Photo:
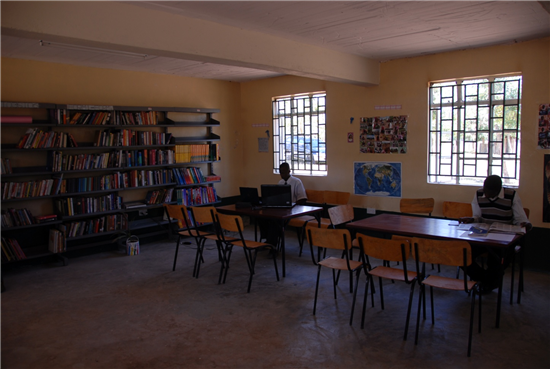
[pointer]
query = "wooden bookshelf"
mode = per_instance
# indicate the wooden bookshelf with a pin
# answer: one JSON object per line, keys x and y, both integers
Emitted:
{"x": 122, "y": 152}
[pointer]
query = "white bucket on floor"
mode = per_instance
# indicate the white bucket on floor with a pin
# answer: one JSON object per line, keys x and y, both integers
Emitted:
{"x": 132, "y": 245}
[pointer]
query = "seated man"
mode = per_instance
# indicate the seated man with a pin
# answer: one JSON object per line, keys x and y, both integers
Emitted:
{"x": 296, "y": 187}
{"x": 271, "y": 230}
{"x": 491, "y": 204}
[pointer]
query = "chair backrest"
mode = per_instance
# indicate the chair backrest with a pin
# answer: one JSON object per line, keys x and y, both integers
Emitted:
{"x": 180, "y": 213}
{"x": 526, "y": 210}
{"x": 442, "y": 251}
{"x": 315, "y": 196}
{"x": 455, "y": 210}
{"x": 340, "y": 214}
{"x": 384, "y": 249}
{"x": 336, "y": 197}
{"x": 417, "y": 206}
{"x": 230, "y": 223}
{"x": 337, "y": 239}
{"x": 202, "y": 214}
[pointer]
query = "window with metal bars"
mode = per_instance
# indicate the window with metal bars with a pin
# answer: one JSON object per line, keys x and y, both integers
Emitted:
{"x": 299, "y": 133}
{"x": 474, "y": 130}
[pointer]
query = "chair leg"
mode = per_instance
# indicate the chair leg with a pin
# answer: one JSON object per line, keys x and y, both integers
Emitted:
{"x": 520, "y": 281}
{"x": 420, "y": 298}
{"x": 176, "y": 255}
{"x": 198, "y": 257}
{"x": 409, "y": 310}
{"x": 365, "y": 301}
{"x": 381, "y": 293}
{"x": 432, "y": 304}
{"x": 316, "y": 289}
{"x": 229, "y": 252}
{"x": 252, "y": 264}
{"x": 513, "y": 273}
{"x": 472, "y": 309}
{"x": 334, "y": 282}
{"x": 354, "y": 296}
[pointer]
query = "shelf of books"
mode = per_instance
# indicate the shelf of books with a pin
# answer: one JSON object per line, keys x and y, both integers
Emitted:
{"x": 89, "y": 172}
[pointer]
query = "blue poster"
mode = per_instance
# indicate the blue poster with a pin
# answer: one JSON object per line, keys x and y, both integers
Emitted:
{"x": 377, "y": 179}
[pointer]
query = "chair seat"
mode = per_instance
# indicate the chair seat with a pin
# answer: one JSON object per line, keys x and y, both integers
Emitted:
{"x": 300, "y": 221}
{"x": 251, "y": 244}
{"x": 340, "y": 264}
{"x": 447, "y": 283}
{"x": 194, "y": 234}
{"x": 392, "y": 273}
{"x": 325, "y": 223}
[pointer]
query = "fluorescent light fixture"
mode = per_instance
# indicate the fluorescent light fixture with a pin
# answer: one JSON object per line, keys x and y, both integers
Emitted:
{"x": 58, "y": 45}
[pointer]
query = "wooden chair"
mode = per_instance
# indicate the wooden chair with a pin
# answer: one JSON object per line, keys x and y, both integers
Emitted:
{"x": 386, "y": 250}
{"x": 314, "y": 197}
{"x": 203, "y": 215}
{"x": 451, "y": 253}
{"x": 234, "y": 225}
{"x": 456, "y": 210}
{"x": 332, "y": 239}
{"x": 181, "y": 225}
{"x": 417, "y": 206}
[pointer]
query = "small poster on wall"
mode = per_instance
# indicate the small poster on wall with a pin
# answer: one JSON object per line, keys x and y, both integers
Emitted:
{"x": 544, "y": 126}
{"x": 377, "y": 179}
{"x": 383, "y": 135}
{"x": 546, "y": 199}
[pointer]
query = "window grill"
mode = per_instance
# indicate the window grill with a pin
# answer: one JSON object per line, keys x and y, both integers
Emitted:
{"x": 299, "y": 133}
{"x": 474, "y": 130}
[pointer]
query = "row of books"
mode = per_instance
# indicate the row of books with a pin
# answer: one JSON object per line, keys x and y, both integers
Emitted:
{"x": 94, "y": 118}
{"x": 196, "y": 196}
{"x": 11, "y": 250}
{"x": 117, "y": 180}
{"x": 191, "y": 175}
{"x": 195, "y": 153}
{"x": 114, "y": 159}
{"x": 6, "y": 166}
{"x": 128, "y": 137}
{"x": 35, "y": 138}
{"x": 21, "y": 190}
{"x": 143, "y": 118}
{"x": 159, "y": 196}
{"x": 57, "y": 241}
{"x": 107, "y": 223}
{"x": 87, "y": 205}
{"x": 17, "y": 218}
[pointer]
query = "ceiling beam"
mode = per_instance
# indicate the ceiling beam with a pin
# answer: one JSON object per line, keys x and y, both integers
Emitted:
{"x": 122, "y": 26}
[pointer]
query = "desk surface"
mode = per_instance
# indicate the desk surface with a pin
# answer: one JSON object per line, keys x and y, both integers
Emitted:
{"x": 271, "y": 213}
{"x": 423, "y": 227}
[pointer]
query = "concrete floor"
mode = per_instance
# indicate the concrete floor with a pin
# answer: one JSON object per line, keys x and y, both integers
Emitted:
{"x": 109, "y": 310}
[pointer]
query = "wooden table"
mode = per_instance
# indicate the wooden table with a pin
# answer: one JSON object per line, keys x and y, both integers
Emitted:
{"x": 280, "y": 215}
{"x": 411, "y": 226}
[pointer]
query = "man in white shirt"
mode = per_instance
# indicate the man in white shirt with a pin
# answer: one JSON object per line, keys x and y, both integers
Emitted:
{"x": 296, "y": 186}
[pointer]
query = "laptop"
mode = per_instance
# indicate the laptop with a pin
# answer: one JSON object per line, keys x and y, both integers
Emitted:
{"x": 249, "y": 197}
{"x": 276, "y": 196}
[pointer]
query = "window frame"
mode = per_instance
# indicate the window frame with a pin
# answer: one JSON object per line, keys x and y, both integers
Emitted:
{"x": 299, "y": 133}
{"x": 464, "y": 112}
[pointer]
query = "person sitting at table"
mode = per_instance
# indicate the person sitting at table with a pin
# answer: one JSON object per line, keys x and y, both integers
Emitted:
{"x": 270, "y": 230}
{"x": 494, "y": 203}
{"x": 296, "y": 186}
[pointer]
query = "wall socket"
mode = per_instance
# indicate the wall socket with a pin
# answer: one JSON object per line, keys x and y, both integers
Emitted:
{"x": 371, "y": 211}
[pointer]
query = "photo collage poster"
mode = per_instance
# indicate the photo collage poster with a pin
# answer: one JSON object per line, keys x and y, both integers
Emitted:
{"x": 544, "y": 126}
{"x": 383, "y": 135}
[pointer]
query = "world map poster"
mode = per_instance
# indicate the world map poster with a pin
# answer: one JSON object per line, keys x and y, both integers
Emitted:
{"x": 383, "y": 135}
{"x": 377, "y": 179}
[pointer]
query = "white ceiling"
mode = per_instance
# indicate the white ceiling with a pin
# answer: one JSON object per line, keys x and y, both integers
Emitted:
{"x": 378, "y": 30}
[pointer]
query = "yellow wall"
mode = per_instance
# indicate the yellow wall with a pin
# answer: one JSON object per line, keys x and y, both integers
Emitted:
{"x": 403, "y": 82}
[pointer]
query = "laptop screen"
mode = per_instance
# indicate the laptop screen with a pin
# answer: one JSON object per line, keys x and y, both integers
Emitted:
{"x": 276, "y": 196}
{"x": 250, "y": 195}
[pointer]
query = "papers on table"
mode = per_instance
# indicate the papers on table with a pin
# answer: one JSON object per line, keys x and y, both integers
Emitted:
{"x": 506, "y": 237}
